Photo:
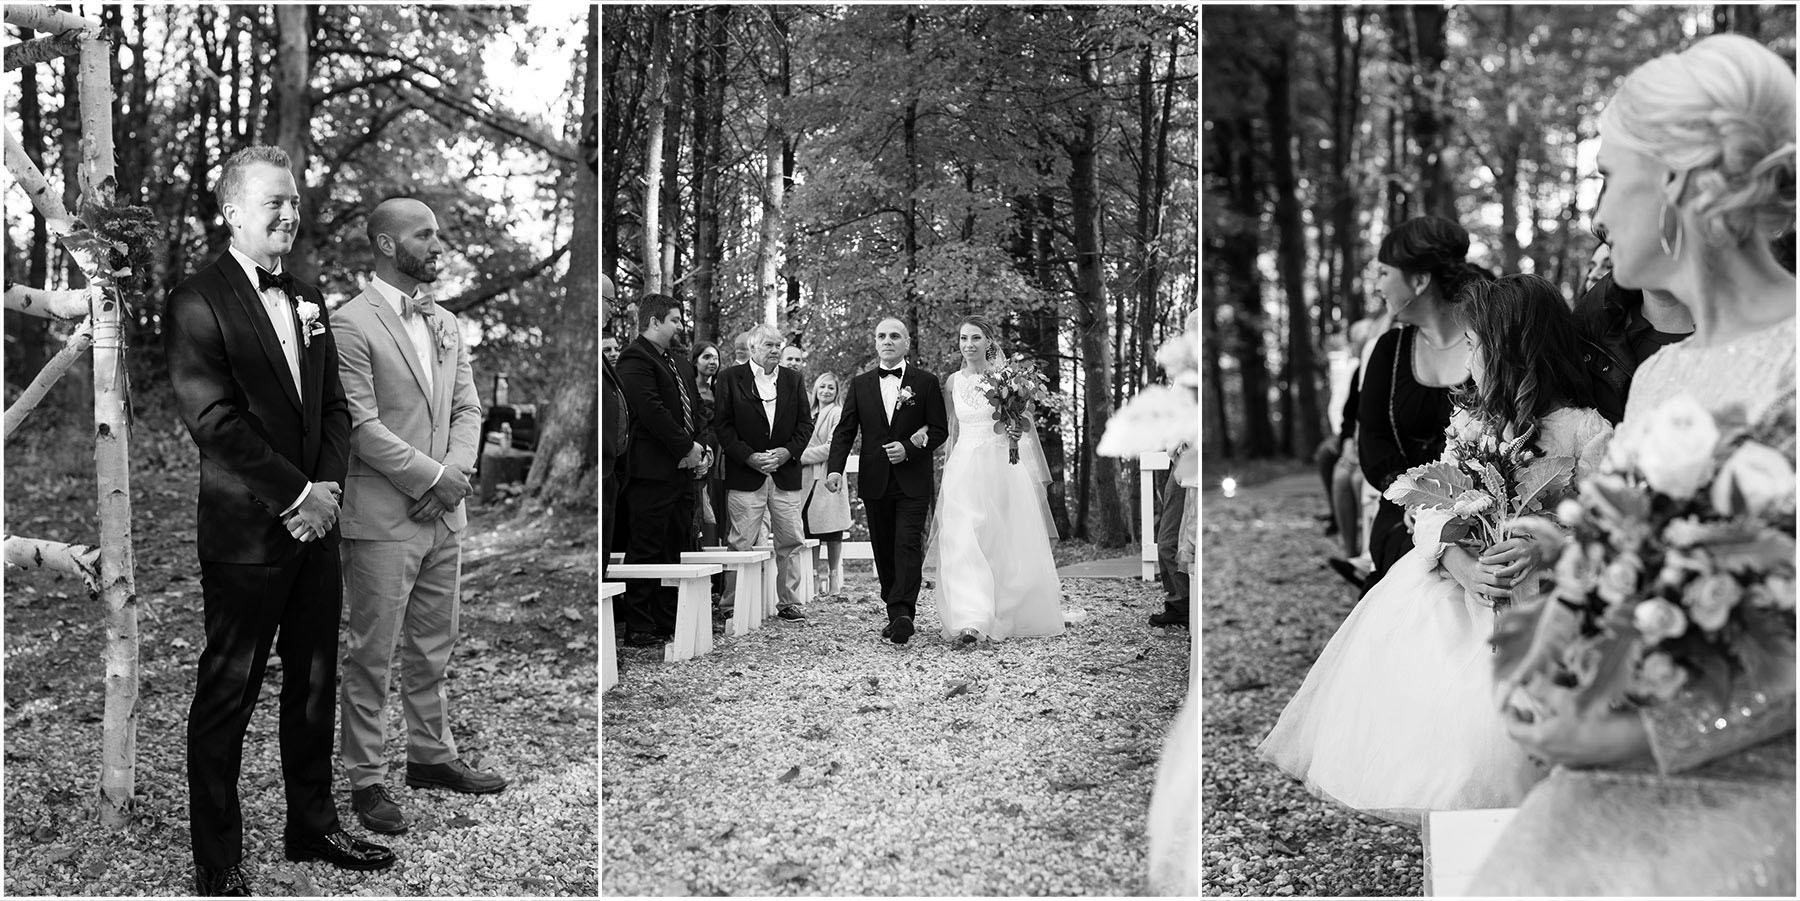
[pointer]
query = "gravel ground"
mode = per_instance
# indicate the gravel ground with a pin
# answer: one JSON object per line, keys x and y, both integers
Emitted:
{"x": 1269, "y": 605}
{"x": 814, "y": 758}
{"x": 523, "y": 687}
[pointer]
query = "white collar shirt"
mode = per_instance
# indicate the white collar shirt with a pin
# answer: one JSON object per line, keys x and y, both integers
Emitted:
{"x": 417, "y": 331}
{"x": 767, "y": 389}
{"x": 890, "y": 388}
{"x": 280, "y": 310}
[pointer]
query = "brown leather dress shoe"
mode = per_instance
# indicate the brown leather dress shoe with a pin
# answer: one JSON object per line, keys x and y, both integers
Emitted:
{"x": 221, "y": 882}
{"x": 342, "y": 850}
{"x": 455, "y": 776}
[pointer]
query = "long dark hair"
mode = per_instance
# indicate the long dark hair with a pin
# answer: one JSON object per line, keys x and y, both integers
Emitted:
{"x": 1434, "y": 246}
{"x": 1530, "y": 349}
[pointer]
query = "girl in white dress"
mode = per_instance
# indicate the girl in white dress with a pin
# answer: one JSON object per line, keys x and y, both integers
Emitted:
{"x": 1395, "y": 717}
{"x": 991, "y": 534}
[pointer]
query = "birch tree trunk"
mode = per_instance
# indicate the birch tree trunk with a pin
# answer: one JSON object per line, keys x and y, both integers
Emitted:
{"x": 650, "y": 241}
{"x": 768, "y": 251}
{"x": 112, "y": 470}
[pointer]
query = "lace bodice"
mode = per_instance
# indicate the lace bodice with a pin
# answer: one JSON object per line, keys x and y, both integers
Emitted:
{"x": 1753, "y": 373}
{"x": 974, "y": 415}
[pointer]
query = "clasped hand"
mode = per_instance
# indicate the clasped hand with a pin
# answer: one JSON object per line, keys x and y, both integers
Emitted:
{"x": 770, "y": 460}
{"x": 443, "y": 497}
{"x": 1501, "y": 567}
{"x": 317, "y": 514}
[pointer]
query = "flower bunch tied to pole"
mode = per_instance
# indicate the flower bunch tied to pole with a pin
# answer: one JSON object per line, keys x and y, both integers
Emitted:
{"x": 1016, "y": 389}
{"x": 1674, "y": 570}
{"x": 1482, "y": 483}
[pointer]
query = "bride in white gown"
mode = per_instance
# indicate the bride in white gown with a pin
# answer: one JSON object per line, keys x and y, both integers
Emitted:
{"x": 991, "y": 534}
{"x": 1395, "y": 718}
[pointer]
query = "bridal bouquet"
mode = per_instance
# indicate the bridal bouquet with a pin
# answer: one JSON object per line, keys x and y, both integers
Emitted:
{"x": 1016, "y": 388}
{"x": 1483, "y": 483}
{"x": 1678, "y": 571}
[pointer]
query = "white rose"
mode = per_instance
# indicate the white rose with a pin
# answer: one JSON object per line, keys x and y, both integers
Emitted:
{"x": 1709, "y": 600}
{"x": 1657, "y": 619}
{"x": 1761, "y": 474}
{"x": 1659, "y": 676}
{"x": 1675, "y": 454}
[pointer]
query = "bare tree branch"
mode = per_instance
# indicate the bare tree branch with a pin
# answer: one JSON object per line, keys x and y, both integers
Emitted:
{"x": 499, "y": 285}
{"x": 42, "y": 50}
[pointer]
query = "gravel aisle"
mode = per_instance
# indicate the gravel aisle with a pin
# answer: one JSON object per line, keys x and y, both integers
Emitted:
{"x": 814, "y": 758}
{"x": 1270, "y": 605}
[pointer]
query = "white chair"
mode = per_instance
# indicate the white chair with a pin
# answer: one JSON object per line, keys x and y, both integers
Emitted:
{"x": 745, "y": 580}
{"x": 693, "y": 606}
{"x": 609, "y": 643}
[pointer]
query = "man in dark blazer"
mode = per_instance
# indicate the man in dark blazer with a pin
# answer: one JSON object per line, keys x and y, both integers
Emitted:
{"x": 255, "y": 373}
{"x": 615, "y": 437}
{"x": 899, "y": 411}
{"x": 665, "y": 456}
{"x": 763, "y": 422}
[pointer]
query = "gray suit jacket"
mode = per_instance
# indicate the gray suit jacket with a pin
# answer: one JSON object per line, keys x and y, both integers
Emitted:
{"x": 400, "y": 432}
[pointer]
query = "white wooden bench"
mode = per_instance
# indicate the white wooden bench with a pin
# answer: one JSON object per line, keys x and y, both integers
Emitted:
{"x": 1456, "y": 843}
{"x": 1153, "y": 470}
{"x": 808, "y": 586}
{"x": 744, "y": 583}
{"x": 609, "y": 642}
{"x": 693, "y": 605}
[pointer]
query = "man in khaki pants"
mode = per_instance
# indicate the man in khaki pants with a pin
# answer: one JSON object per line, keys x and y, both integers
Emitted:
{"x": 763, "y": 422}
{"x": 414, "y": 424}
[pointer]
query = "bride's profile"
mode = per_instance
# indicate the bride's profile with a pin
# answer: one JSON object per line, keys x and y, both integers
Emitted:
{"x": 991, "y": 535}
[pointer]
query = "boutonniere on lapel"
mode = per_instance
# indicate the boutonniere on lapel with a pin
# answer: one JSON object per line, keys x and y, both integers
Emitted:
{"x": 905, "y": 397}
{"x": 446, "y": 337}
{"x": 310, "y": 326}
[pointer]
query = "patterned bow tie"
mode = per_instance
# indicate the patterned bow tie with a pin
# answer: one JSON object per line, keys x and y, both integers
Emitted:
{"x": 420, "y": 305}
{"x": 894, "y": 372}
{"x": 266, "y": 280}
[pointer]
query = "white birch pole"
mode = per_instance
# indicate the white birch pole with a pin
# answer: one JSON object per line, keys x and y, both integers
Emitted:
{"x": 112, "y": 470}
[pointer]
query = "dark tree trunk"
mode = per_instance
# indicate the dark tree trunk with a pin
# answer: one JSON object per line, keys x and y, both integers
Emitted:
{"x": 1422, "y": 48}
{"x": 292, "y": 115}
{"x": 1343, "y": 216}
{"x": 1240, "y": 250}
{"x": 1109, "y": 527}
{"x": 564, "y": 473}
{"x": 1301, "y": 420}
{"x": 711, "y": 71}
{"x": 910, "y": 134}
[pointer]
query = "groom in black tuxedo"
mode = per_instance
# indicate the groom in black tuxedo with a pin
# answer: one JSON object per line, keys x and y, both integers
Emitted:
{"x": 255, "y": 373}
{"x": 899, "y": 410}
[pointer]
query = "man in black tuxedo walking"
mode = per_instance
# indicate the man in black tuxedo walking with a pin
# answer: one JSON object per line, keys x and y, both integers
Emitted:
{"x": 665, "y": 455}
{"x": 255, "y": 373}
{"x": 899, "y": 411}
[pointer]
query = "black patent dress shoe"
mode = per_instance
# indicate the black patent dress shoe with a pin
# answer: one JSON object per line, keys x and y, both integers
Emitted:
{"x": 377, "y": 810}
{"x": 221, "y": 882}
{"x": 902, "y": 629}
{"x": 341, "y": 850}
{"x": 1347, "y": 570}
{"x": 456, "y": 776}
{"x": 791, "y": 612}
{"x": 887, "y": 631}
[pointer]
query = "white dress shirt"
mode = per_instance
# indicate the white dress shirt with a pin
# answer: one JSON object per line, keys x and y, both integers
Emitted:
{"x": 766, "y": 387}
{"x": 890, "y": 388}
{"x": 416, "y": 327}
{"x": 279, "y": 308}
{"x": 417, "y": 332}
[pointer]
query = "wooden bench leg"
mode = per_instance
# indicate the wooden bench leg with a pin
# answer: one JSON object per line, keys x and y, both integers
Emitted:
{"x": 691, "y": 596}
{"x": 609, "y": 647}
{"x": 770, "y": 597}
{"x": 741, "y": 614}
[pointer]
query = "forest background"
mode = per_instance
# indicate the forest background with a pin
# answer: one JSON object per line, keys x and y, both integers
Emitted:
{"x": 1326, "y": 125}
{"x": 822, "y": 167}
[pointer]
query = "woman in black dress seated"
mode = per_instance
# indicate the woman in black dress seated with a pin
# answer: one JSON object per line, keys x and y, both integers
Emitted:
{"x": 1404, "y": 403}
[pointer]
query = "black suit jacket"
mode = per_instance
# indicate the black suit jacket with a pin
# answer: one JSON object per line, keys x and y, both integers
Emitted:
{"x": 260, "y": 441}
{"x": 615, "y": 419}
{"x": 744, "y": 428}
{"x": 654, "y": 383}
{"x": 864, "y": 412}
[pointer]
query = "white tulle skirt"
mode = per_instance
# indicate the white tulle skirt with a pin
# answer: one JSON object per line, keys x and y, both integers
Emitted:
{"x": 995, "y": 572}
{"x": 1396, "y": 718}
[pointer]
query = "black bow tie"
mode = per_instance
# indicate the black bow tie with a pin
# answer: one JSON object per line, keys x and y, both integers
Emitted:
{"x": 266, "y": 280}
{"x": 895, "y": 372}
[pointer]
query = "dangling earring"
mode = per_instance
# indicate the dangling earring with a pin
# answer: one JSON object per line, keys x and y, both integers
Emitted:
{"x": 1662, "y": 232}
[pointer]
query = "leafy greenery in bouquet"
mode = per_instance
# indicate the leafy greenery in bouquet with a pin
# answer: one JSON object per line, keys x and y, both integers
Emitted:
{"x": 1016, "y": 389}
{"x": 1676, "y": 570}
{"x": 1484, "y": 483}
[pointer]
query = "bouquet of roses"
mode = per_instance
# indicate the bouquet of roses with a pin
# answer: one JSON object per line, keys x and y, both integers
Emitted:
{"x": 1679, "y": 571}
{"x": 1015, "y": 389}
{"x": 1484, "y": 483}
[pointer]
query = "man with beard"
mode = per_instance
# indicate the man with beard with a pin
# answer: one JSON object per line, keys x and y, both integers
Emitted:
{"x": 414, "y": 426}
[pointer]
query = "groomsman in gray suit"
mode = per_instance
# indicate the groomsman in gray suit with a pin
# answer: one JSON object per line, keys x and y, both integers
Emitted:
{"x": 414, "y": 424}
